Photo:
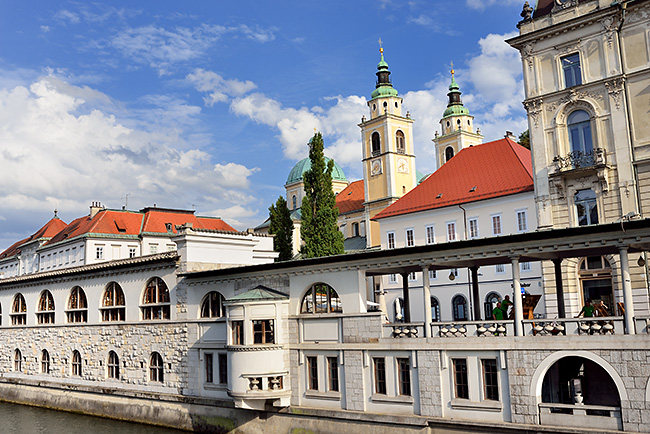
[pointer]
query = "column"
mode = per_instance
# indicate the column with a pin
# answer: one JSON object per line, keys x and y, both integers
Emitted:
{"x": 426, "y": 289}
{"x": 627, "y": 292}
{"x": 382, "y": 304}
{"x": 559, "y": 288}
{"x": 519, "y": 313}
{"x": 475, "y": 293}
{"x": 405, "y": 295}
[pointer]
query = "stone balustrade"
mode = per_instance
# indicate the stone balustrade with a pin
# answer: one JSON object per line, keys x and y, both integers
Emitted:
{"x": 403, "y": 330}
{"x": 473, "y": 329}
{"x": 580, "y": 415}
{"x": 574, "y": 326}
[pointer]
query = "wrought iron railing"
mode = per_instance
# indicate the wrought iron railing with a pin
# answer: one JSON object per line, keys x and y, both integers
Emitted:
{"x": 580, "y": 159}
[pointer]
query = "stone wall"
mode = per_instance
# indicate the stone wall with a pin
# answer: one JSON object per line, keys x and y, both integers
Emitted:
{"x": 429, "y": 376}
{"x": 362, "y": 328}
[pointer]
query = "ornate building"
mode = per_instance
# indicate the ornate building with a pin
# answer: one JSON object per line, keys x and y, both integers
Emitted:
{"x": 586, "y": 74}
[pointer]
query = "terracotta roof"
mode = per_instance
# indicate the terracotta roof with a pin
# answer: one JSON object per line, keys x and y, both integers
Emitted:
{"x": 486, "y": 171}
{"x": 50, "y": 229}
{"x": 156, "y": 219}
{"x": 109, "y": 222}
{"x": 351, "y": 198}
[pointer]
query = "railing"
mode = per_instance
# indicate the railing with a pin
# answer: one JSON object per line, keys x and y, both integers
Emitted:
{"x": 473, "y": 328}
{"x": 403, "y": 330}
{"x": 642, "y": 324}
{"x": 265, "y": 383}
{"x": 579, "y": 415}
{"x": 579, "y": 159}
{"x": 574, "y": 326}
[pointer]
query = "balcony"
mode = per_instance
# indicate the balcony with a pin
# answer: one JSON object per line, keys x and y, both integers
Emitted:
{"x": 580, "y": 160}
{"x": 580, "y": 415}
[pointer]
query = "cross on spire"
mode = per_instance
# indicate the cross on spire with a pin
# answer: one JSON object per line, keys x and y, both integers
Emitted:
{"x": 452, "y": 68}
{"x": 381, "y": 48}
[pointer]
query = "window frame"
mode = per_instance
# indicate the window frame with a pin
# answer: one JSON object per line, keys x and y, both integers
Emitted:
{"x": 212, "y": 305}
{"x": 18, "y": 310}
{"x": 237, "y": 332}
{"x": 222, "y": 360}
{"x": 77, "y": 307}
{"x": 520, "y": 228}
{"x": 400, "y": 142}
{"x": 490, "y": 380}
{"x": 333, "y": 384}
{"x": 156, "y": 368}
{"x": 264, "y": 335}
{"x": 113, "y": 293}
{"x": 312, "y": 373}
{"x": 76, "y": 366}
{"x": 452, "y": 235}
{"x": 379, "y": 375}
{"x": 569, "y": 70}
{"x": 156, "y": 300}
{"x": 460, "y": 377}
{"x": 390, "y": 240}
{"x": 404, "y": 376}
{"x": 430, "y": 232}
{"x": 45, "y": 362}
{"x": 472, "y": 224}
{"x": 496, "y": 223}
{"x": 312, "y": 302}
{"x": 455, "y": 304}
{"x": 45, "y": 309}
{"x": 409, "y": 237}
{"x": 18, "y": 360}
{"x": 208, "y": 361}
{"x": 113, "y": 366}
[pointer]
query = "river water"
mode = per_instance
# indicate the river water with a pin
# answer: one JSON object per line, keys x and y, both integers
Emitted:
{"x": 22, "y": 419}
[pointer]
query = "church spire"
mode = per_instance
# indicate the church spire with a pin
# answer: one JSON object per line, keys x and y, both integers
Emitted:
{"x": 455, "y": 106}
{"x": 383, "y": 87}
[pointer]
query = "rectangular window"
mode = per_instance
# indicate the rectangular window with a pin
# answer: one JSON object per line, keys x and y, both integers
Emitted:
{"x": 404, "y": 375}
{"x": 209, "y": 368}
{"x": 500, "y": 268}
{"x": 392, "y": 278}
{"x": 451, "y": 231}
{"x": 571, "y": 69}
{"x": 263, "y": 331}
{"x": 333, "y": 370}
{"x": 522, "y": 223}
{"x": 525, "y": 266}
{"x": 99, "y": 252}
{"x": 490, "y": 380}
{"x": 153, "y": 248}
{"x": 223, "y": 368}
{"x": 74, "y": 254}
{"x": 454, "y": 271}
{"x": 412, "y": 276}
{"x": 391, "y": 240}
{"x": 433, "y": 274}
{"x": 131, "y": 252}
{"x": 380, "y": 375}
{"x": 431, "y": 235}
{"x": 312, "y": 372}
{"x": 237, "y": 332}
{"x": 461, "y": 385}
{"x": 410, "y": 242}
{"x": 473, "y": 228}
{"x": 496, "y": 224}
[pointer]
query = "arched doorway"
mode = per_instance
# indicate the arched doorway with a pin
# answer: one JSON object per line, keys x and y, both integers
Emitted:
{"x": 577, "y": 391}
{"x": 595, "y": 273}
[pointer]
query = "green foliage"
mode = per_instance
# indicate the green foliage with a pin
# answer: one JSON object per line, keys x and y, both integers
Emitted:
{"x": 524, "y": 139}
{"x": 319, "y": 229}
{"x": 282, "y": 229}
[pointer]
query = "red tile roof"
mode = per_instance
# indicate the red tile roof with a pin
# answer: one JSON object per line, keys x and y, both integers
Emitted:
{"x": 486, "y": 171}
{"x": 351, "y": 198}
{"x": 50, "y": 229}
{"x": 156, "y": 219}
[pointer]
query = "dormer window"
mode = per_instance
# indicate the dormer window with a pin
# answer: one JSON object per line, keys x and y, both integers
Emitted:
{"x": 168, "y": 226}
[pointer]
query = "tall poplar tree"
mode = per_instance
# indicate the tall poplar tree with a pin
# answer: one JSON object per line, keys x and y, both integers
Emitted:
{"x": 282, "y": 229}
{"x": 319, "y": 230}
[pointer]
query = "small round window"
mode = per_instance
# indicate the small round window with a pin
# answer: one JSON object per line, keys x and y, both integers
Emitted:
{"x": 385, "y": 104}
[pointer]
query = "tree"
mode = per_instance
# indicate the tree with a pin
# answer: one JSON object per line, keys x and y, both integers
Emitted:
{"x": 524, "y": 139}
{"x": 282, "y": 229}
{"x": 319, "y": 230}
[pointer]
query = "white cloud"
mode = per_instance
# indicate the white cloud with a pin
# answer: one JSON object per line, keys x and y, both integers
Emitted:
{"x": 65, "y": 15}
{"x": 161, "y": 48}
{"x": 482, "y": 4}
{"x": 60, "y": 149}
{"x": 218, "y": 88}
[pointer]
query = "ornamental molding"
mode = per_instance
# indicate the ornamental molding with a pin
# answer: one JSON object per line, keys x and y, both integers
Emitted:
{"x": 527, "y": 52}
{"x": 534, "y": 108}
{"x": 610, "y": 23}
{"x": 615, "y": 89}
{"x": 238, "y": 348}
{"x": 640, "y": 14}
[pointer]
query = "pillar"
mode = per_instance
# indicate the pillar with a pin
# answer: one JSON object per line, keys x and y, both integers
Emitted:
{"x": 559, "y": 288}
{"x": 519, "y": 313}
{"x": 475, "y": 293}
{"x": 627, "y": 291}
{"x": 405, "y": 295}
{"x": 426, "y": 289}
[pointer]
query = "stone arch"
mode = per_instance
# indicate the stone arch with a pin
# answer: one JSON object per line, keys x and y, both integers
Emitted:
{"x": 334, "y": 302}
{"x": 545, "y": 365}
{"x": 565, "y": 110}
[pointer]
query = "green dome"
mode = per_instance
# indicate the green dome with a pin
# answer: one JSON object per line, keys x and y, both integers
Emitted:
{"x": 384, "y": 88}
{"x": 305, "y": 164}
{"x": 455, "y": 110}
{"x": 383, "y": 91}
{"x": 455, "y": 106}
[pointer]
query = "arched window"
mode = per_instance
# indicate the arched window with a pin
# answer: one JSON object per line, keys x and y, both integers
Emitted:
{"x": 76, "y": 363}
{"x": 113, "y": 305}
{"x": 355, "y": 229}
{"x": 586, "y": 207}
{"x": 45, "y": 362}
{"x": 155, "y": 300}
{"x": 156, "y": 372}
{"x": 77, "y": 306}
{"x": 18, "y": 310}
{"x": 449, "y": 153}
{"x": 294, "y": 202}
{"x": 491, "y": 301}
{"x": 459, "y": 307}
{"x": 435, "y": 310}
{"x": 399, "y": 142}
{"x": 18, "y": 361}
{"x": 212, "y": 305}
{"x": 113, "y": 365}
{"x": 45, "y": 308}
{"x": 376, "y": 143}
{"x": 579, "y": 126}
{"x": 321, "y": 298}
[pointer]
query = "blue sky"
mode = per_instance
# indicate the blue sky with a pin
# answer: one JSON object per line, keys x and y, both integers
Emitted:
{"x": 207, "y": 105}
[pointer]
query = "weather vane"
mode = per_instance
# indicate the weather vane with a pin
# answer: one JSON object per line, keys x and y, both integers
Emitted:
{"x": 381, "y": 48}
{"x": 452, "y": 68}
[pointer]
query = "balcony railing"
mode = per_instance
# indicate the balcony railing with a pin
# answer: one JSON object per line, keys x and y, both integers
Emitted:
{"x": 579, "y": 415}
{"x": 403, "y": 330}
{"x": 575, "y": 326}
{"x": 459, "y": 329}
{"x": 578, "y": 159}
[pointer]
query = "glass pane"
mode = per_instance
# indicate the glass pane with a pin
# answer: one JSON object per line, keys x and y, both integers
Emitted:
{"x": 594, "y": 263}
{"x": 576, "y": 143}
{"x": 586, "y": 137}
{"x": 577, "y": 117}
{"x": 321, "y": 298}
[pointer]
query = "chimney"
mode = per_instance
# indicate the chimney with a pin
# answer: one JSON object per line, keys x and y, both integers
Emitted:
{"x": 509, "y": 135}
{"x": 95, "y": 207}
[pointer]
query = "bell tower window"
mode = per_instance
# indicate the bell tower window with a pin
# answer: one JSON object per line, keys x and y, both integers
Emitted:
{"x": 449, "y": 153}
{"x": 399, "y": 141}
{"x": 376, "y": 144}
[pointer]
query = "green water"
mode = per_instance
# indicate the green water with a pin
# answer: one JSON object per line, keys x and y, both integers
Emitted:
{"x": 22, "y": 419}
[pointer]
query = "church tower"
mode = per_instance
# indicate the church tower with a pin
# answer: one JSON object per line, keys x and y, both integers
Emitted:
{"x": 388, "y": 153}
{"x": 457, "y": 127}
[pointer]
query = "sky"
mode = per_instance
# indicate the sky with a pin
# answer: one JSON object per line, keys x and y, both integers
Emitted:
{"x": 207, "y": 105}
